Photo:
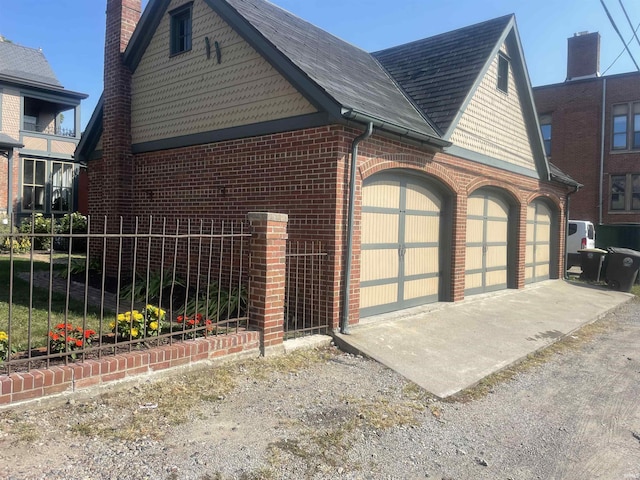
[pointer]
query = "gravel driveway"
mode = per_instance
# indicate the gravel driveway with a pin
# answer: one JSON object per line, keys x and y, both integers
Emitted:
{"x": 572, "y": 412}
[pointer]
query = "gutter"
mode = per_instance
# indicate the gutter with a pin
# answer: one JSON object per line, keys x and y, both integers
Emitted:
{"x": 602, "y": 134}
{"x": 351, "y": 114}
{"x": 344, "y": 322}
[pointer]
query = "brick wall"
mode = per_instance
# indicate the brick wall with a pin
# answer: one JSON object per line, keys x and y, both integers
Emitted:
{"x": 18, "y": 387}
{"x": 576, "y": 110}
{"x": 304, "y": 174}
{"x": 575, "y": 138}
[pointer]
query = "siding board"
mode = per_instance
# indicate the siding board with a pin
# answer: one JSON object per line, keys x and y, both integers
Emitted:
{"x": 185, "y": 94}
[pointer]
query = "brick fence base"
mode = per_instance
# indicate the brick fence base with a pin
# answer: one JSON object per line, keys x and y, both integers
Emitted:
{"x": 36, "y": 384}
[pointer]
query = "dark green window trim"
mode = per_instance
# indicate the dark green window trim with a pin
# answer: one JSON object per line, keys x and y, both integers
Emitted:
{"x": 181, "y": 29}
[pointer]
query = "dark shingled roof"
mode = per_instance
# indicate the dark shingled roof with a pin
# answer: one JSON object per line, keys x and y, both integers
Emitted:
{"x": 9, "y": 142}
{"x": 348, "y": 74}
{"x": 438, "y": 72}
{"x": 560, "y": 176}
{"x": 26, "y": 64}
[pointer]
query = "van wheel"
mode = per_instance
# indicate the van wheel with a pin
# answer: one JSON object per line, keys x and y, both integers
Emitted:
{"x": 613, "y": 284}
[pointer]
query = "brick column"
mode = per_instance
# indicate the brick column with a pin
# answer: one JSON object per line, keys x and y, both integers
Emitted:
{"x": 267, "y": 278}
{"x": 521, "y": 255}
{"x": 458, "y": 247}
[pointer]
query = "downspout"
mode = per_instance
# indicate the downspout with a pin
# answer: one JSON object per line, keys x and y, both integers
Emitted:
{"x": 10, "y": 185}
{"x": 344, "y": 324}
{"x": 602, "y": 134}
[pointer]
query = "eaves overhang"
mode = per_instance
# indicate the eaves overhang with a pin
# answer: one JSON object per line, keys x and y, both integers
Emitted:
{"x": 385, "y": 125}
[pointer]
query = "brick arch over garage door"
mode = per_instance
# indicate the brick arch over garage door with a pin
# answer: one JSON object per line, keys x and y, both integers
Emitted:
{"x": 405, "y": 242}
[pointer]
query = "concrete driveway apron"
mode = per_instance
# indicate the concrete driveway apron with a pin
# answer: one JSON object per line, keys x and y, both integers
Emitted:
{"x": 448, "y": 347}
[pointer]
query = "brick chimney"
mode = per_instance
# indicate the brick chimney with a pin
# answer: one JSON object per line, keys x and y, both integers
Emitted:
{"x": 111, "y": 179}
{"x": 583, "y": 56}
{"x": 122, "y": 18}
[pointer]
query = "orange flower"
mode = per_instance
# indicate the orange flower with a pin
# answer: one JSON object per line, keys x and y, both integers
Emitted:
{"x": 54, "y": 336}
{"x": 78, "y": 343}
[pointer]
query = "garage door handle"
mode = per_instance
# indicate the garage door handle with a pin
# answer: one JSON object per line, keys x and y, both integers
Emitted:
{"x": 401, "y": 252}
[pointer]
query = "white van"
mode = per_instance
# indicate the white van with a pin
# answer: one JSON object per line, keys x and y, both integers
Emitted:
{"x": 581, "y": 234}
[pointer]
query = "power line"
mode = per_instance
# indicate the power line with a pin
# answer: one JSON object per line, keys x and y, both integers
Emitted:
{"x": 615, "y": 27}
{"x": 623, "y": 50}
{"x": 629, "y": 20}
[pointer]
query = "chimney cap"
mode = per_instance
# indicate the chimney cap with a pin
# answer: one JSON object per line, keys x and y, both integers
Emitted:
{"x": 579, "y": 34}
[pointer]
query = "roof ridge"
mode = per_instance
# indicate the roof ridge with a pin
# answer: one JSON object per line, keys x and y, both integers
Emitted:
{"x": 503, "y": 18}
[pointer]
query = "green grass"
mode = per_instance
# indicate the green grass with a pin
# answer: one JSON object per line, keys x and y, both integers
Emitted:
{"x": 40, "y": 319}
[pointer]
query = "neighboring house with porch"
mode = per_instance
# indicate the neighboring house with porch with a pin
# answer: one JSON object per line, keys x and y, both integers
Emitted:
{"x": 591, "y": 128}
{"x": 39, "y": 132}
{"x": 212, "y": 109}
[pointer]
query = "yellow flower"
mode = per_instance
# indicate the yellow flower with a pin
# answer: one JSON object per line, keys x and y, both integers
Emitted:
{"x": 112, "y": 325}
{"x": 149, "y": 306}
{"x": 3, "y": 337}
{"x": 138, "y": 316}
{"x": 121, "y": 317}
{"x": 153, "y": 325}
{"x": 134, "y": 332}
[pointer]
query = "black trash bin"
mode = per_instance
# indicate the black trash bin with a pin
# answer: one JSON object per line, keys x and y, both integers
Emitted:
{"x": 591, "y": 260}
{"x": 621, "y": 268}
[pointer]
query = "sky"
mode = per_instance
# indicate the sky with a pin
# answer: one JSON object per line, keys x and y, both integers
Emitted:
{"x": 71, "y": 32}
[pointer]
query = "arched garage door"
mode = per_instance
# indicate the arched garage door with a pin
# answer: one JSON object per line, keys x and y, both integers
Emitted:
{"x": 400, "y": 243}
{"x": 538, "y": 256}
{"x": 487, "y": 252}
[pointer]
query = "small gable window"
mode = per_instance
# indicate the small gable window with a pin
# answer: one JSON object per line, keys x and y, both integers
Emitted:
{"x": 503, "y": 73}
{"x": 181, "y": 29}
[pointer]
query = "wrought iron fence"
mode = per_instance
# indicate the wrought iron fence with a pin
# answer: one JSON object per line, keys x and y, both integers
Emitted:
{"x": 103, "y": 289}
{"x": 306, "y": 308}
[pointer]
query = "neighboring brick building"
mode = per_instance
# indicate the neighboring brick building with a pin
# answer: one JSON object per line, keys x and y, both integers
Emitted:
{"x": 603, "y": 156}
{"x": 214, "y": 109}
{"x": 38, "y": 173}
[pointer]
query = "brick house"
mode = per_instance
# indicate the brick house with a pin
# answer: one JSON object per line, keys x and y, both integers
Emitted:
{"x": 591, "y": 128}
{"x": 212, "y": 109}
{"x": 39, "y": 132}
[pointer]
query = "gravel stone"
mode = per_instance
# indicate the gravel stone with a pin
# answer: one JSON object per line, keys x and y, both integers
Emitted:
{"x": 575, "y": 416}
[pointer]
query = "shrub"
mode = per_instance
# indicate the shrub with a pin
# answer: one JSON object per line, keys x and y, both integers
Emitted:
{"x": 39, "y": 224}
{"x": 219, "y": 304}
{"x": 141, "y": 289}
{"x": 15, "y": 243}
{"x": 78, "y": 222}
